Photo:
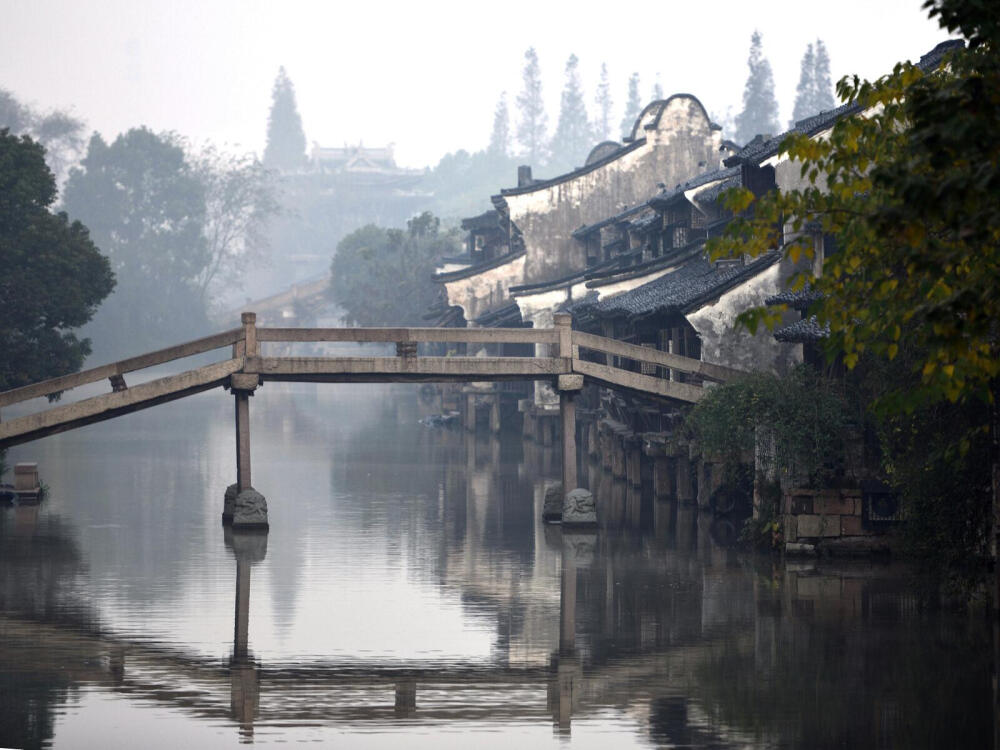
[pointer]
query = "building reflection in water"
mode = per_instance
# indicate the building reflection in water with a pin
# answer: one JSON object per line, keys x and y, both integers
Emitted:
{"x": 654, "y": 619}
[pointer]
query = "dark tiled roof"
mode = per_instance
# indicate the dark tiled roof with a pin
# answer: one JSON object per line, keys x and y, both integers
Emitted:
{"x": 486, "y": 220}
{"x": 601, "y": 151}
{"x": 508, "y": 315}
{"x": 574, "y": 306}
{"x": 646, "y": 221}
{"x": 683, "y": 290}
{"x": 760, "y": 149}
{"x": 620, "y": 216}
{"x": 933, "y": 59}
{"x": 664, "y": 197}
{"x": 463, "y": 273}
{"x": 630, "y": 265}
{"x": 804, "y": 331}
{"x": 797, "y": 300}
{"x": 711, "y": 195}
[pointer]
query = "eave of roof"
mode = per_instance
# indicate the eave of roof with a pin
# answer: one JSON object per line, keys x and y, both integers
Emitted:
{"x": 796, "y": 299}
{"x": 805, "y": 331}
{"x": 559, "y": 283}
{"x": 507, "y": 314}
{"x": 614, "y": 275}
{"x": 486, "y": 220}
{"x": 620, "y": 216}
{"x": 688, "y": 288}
{"x": 464, "y": 273}
{"x": 666, "y": 197}
{"x": 542, "y": 184}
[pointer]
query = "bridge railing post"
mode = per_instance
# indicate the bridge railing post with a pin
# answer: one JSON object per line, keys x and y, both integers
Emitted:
{"x": 564, "y": 325}
{"x": 250, "y": 346}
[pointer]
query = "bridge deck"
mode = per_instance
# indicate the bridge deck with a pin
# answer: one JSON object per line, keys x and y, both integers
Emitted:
{"x": 616, "y": 365}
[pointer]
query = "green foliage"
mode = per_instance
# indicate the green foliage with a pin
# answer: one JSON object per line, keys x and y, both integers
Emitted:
{"x": 52, "y": 277}
{"x": 764, "y": 530}
{"x": 798, "y": 424}
{"x": 572, "y": 139}
{"x": 938, "y": 458}
{"x": 383, "y": 276}
{"x": 286, "y": 141}
{"x": 633, "y": 106}
{"x": 145, "y": 206}
{"x": 911, "y": 190}
{"x": 532, "y": 121}
{"x": 760, "y": 108}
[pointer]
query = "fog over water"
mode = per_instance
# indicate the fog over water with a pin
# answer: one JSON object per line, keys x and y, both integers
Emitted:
{"x": 424, "y": 76}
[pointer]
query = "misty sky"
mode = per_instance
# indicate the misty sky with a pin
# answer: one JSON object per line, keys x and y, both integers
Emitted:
{"x": 425, "y": 76}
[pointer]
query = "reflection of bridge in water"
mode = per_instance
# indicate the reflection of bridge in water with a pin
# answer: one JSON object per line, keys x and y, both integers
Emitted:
{"x": 353, "y": 693}
{"x": 691, "y": 646}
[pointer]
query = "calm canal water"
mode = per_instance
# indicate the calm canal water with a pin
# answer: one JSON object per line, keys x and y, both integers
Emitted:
{"x": 406, "y": 596}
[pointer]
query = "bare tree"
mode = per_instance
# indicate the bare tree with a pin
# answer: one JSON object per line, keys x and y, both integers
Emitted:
{"x": 241, "y": 197}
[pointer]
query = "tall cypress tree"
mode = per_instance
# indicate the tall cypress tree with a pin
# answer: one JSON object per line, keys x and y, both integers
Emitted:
{"x": 532, "y": 122}
{"x": 602, "y": 125}
{"x": 500, "y": 137}
{"x": 633, "y": 105}
{"x": 760, "y": 108}
{"x": 814, "y": 93}
{"x": 804, "y": 91}
{"x": 286, "y": 142}
{"x": 572, "y": 137}
{"x": 657, "y": 89}
{"x": 822, "y": 84}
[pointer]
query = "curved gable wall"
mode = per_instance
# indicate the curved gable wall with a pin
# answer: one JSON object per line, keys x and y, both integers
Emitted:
{"x": 680, "y": 143}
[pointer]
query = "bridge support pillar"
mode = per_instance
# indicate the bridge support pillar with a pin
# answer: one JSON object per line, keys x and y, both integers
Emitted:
{"x": 569, "y": 386}
{"x": 242, "y": 400}
{"x": 244, "y": 507}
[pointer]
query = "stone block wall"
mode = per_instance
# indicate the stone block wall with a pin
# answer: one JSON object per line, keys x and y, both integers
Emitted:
{"x": 828, "y": 520}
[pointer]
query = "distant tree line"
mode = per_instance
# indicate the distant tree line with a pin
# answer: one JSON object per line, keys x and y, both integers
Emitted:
{"x": 462, "y": 181}
{"x": 173, "y": 226}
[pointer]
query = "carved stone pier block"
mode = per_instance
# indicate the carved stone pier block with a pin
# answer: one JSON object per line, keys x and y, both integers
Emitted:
{"x": 250, "y": 510}
{"x": 579, "y": 508}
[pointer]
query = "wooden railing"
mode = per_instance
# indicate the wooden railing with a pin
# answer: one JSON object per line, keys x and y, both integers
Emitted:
{"x": 412, "y": 335}
{"x": 115, "y": 371}
{"x": 560, "y": 357}
{"x": 648, "y": 355}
